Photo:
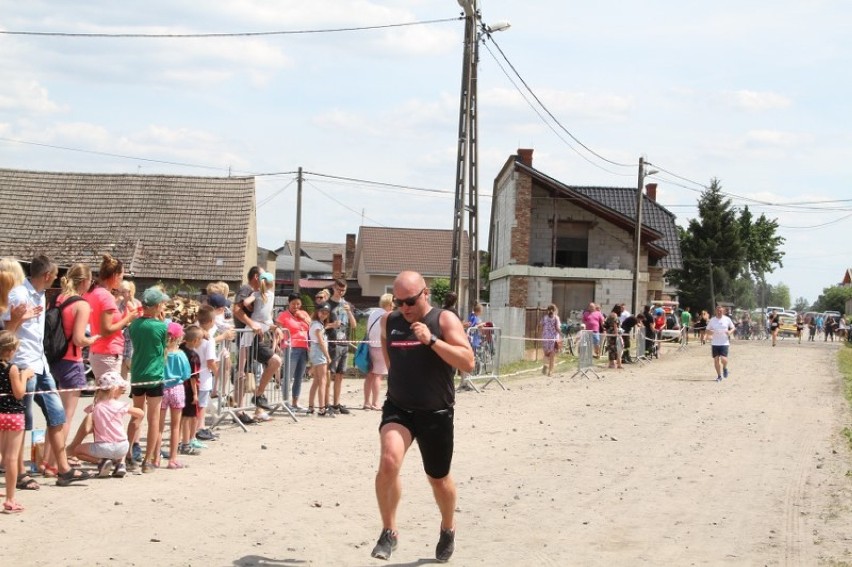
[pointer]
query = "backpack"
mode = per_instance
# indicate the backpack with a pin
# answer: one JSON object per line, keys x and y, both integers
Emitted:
{"x": 55, "y": 340}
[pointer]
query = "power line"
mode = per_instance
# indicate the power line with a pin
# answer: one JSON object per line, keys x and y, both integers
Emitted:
{"x": 818, "y": 225}
{"x": 544, "y": 120}
{"x": 379, "y": 183}
{"x": 271, "y": 197}
{"x": 550, "y": 114}
{"x": 347, "y": 207}
{"x": 221, "y": 35}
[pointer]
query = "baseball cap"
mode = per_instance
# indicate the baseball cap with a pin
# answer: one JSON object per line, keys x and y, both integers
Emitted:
{"x": 175, "y": 330}
{"x": 323, "y": 306}
{"x": 267, "y": 277}
{"x": 218, "y": 300}
{"x": 153, "y": 296}
{"x": 109, "y": 380}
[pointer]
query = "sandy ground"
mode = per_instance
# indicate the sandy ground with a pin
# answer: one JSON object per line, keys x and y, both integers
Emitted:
{"x": 655, "y": 465}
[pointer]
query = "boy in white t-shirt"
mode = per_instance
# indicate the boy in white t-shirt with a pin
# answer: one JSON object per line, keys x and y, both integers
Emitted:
{"x": 209, "y": 369}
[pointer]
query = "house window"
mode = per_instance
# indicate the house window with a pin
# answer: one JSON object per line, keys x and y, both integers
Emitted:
{"x": 572, "y": 245}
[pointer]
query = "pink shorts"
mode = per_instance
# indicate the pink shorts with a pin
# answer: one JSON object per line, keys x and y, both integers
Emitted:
{"x": 173, "y": 398}
{"x": 11, "y": 422}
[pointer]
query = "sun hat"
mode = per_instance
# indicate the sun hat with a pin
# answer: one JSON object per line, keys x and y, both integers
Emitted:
{"x": 109, "y": 380}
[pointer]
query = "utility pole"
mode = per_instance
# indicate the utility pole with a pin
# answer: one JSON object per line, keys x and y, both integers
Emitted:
{"x": 297, "y": 254}
{"x": 637, "y": 236}
{"x": 637, "y": 233}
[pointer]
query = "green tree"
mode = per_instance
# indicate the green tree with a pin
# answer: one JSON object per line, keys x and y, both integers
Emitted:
{"x": 439, "y": 288}
{"x": 801, "y": 304}
{"x": 710, "y": 246}
{"x": 833, "y": 298}
{"x": 778, "y": 295}
{"x": 761, "y": 246}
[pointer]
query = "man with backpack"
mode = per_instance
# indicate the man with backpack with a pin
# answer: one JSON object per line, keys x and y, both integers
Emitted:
{"x": 31, "y": 354}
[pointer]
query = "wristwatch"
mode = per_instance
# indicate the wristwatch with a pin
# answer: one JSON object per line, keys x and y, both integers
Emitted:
{"x": 432, "y": 340}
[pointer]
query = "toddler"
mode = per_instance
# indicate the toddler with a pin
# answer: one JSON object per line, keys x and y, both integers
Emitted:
{"x": 191, "y": 341}
{"x": 13, "y": 385}
{"x": 174, "y": 399}
{"x": 107, "y": 413}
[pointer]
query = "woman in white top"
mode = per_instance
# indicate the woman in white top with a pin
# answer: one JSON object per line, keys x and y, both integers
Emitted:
{"x": 378, "y": 368}
{"x": 264, "y": 344}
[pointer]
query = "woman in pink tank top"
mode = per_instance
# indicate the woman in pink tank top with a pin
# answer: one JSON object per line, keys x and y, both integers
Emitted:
{"x": 106, "y": 319}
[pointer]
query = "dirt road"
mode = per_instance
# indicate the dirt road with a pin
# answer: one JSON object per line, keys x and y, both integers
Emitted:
{"x": 655, "y": 465}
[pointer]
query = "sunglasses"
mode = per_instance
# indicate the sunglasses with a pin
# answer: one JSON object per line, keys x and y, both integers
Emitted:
{"x": 409, "y": 301}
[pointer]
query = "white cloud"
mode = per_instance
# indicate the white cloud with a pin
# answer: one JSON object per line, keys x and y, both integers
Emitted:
{"x": 755, "y": 101}
{"x": 599, "y": 106}
{"x": 26, "y": 95}
{"x": 775, "y": 139}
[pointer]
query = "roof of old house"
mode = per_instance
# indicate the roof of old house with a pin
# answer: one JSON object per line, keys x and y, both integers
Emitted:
{"x": 319, "y": 251}
{"x": 388, "y": 251}
{"x": 160, "y": 226}
{"x": 622, "y": 202}
{"x": 847, "y": 277}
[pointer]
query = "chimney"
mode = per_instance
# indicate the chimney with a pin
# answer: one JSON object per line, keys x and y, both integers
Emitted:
{"x": 349, "y": 267}
{"x": 337, "y": 266}
{"x": 651, "y": 191}
{"x": 525, "y": 157}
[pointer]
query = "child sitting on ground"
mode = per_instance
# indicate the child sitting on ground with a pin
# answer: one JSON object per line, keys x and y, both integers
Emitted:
{"x": 191, "y": 340}
{"x": 177, "y": 372}
{"x": 13, "y": 385}
{"x": 107, "y": 413}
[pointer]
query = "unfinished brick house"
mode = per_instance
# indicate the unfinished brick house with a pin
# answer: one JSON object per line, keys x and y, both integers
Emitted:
{"x": 556, "y": 243}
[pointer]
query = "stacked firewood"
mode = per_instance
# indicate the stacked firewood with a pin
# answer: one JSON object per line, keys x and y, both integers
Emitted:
{"x": 182, "y": 310}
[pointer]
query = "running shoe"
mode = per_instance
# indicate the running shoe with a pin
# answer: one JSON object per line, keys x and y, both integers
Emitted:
{"x": 196, "y": 444}
{"x": 725, "y": 372}
{"x": 386, "y": 545}
{"x": 718, "y": 378}
{"x": 446, "y": 546}
{"x": 119, "y": 471}
{"x": 104, "y": 468}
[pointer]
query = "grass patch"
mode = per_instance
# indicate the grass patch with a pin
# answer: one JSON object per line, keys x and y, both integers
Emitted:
{"x": 844, "y": 363}
{"x": 844, "y": 359}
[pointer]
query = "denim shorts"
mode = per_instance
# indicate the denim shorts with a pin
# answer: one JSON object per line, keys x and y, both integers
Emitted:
{"x": 50, "y": 404}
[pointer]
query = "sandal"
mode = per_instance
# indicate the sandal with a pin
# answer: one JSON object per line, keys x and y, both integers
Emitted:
{"x": 321, "y": 412}
{"x": 174, "y": 465}
{"x": 12, "y": 508}
{"x": 72, "y": 475}
{"x": 74, "y": 461}
{"x": 48, "y": 471}
{"x": 26, "y": 482}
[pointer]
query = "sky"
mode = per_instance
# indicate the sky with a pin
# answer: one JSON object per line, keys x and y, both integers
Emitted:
{"x": 754, "y": 94}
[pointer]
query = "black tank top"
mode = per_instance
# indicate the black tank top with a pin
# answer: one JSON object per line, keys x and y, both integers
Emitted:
{"x": 418, "y": 379}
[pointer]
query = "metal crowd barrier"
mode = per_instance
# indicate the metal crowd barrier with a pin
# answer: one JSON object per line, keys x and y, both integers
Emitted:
{"x": 641, "y": 345}
{"x": 585, "y": 355}
{"x": 238, "y": 360}
{"x": 486, "y": 352}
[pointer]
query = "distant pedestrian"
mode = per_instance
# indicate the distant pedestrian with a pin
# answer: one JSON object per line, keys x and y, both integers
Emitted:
{"x": 721, "y": 328}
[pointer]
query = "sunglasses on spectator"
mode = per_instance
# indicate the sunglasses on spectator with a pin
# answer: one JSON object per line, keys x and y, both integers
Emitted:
{"x": 409, "y": 301}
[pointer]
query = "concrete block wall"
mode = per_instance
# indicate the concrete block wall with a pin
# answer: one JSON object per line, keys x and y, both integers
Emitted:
{"x": 504, "y": 222}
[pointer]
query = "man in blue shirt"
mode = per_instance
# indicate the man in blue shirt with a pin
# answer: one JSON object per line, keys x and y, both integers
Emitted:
{"x": 30, "y": 354}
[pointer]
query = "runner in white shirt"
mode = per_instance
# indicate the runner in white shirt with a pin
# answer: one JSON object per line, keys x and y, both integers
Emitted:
{"x": 720, "y": 328}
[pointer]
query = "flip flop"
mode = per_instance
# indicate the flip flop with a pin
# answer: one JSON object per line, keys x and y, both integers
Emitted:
{"x": 26, "y": 482}
{"x": 12, "y": 508}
